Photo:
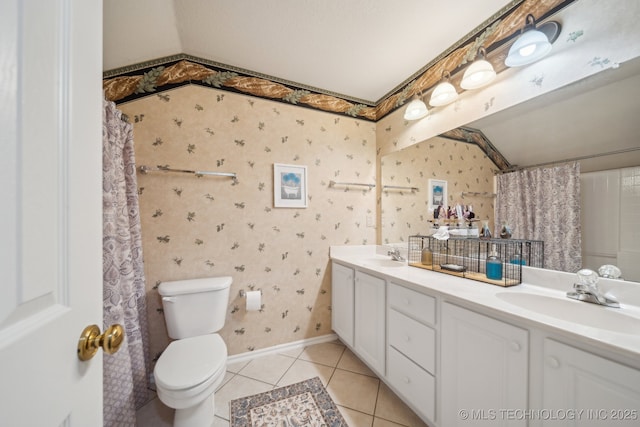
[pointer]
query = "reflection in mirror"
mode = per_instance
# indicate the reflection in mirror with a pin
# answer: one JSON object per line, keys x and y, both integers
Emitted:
{"x": 468, "y": 173}
{"x": 593, "y": 121}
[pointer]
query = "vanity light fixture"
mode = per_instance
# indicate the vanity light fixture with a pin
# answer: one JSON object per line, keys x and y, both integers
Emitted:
{"x": 416, "y": 109}
{"x": 480, "y": 73}
{"x": 533, "y": 44}
{"x": 444, "y": 93}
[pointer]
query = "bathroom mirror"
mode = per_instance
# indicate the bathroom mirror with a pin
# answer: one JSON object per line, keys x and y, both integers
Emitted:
{"x": 594, "y": 121}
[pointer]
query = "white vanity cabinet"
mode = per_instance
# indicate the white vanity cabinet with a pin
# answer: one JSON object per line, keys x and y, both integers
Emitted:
{"x": 342, "y": 297}
{"x": 484, "y": 369}
{"x": 602, "y": 392}
{"x": 458, "y": 359}
{"x": 411, "y": 351}
{"x": 370, "y": 320}
{"x": 358, "y": 313}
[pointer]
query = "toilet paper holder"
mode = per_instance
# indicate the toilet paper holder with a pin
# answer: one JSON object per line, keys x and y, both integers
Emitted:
{"x": 242, "y": 292}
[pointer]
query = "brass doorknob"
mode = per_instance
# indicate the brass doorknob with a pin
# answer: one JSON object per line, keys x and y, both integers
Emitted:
{"x": 91, "y": 339}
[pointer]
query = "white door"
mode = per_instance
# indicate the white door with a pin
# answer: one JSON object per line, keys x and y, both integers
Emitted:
{"x": 50, "y": 214}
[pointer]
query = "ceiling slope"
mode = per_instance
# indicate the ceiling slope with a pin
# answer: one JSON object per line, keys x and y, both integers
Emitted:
{"x": 321, "y": 44}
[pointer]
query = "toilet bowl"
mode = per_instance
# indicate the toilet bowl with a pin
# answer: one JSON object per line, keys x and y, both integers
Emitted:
{"x": 187, "y": 375}
{"x": 193, "y": 366}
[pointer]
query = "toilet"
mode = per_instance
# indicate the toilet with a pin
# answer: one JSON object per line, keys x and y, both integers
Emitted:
{"x": 193, "y": 366}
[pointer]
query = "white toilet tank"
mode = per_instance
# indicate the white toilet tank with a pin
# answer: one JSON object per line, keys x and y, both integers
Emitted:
{"x": 195, "y": 307}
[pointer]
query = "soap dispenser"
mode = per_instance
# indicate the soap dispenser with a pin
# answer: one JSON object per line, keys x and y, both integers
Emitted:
{"x": 494, "y": 265}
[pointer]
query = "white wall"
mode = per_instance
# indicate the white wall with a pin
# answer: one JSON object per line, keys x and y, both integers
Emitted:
{"x": 611, "y": 220}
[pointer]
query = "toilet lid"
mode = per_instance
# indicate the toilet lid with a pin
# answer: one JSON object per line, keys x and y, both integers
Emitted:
{"x": 188, "y": 362}
{"x": 180, "y": 287}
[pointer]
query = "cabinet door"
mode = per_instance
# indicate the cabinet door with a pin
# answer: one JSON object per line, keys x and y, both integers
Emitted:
{"x": 484, "y": 369}
{"x": 370, "y": 320}
{"x": 342, "y": 314}
{"x": 598, "y": 391}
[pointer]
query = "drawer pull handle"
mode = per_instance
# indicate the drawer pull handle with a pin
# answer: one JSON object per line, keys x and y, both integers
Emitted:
{"x": 553, "y": 362}
{"x": 406, "y": 380}
{"x": 407, "y": 338}
{"x": 515, "y": 346}
{"x": 407, "y": 301}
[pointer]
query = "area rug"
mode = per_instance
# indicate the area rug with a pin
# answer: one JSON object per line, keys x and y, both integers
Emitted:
{"x": 304, "y": 404}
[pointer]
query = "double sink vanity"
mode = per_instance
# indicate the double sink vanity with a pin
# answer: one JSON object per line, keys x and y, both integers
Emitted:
{"x": 461, "y": 352}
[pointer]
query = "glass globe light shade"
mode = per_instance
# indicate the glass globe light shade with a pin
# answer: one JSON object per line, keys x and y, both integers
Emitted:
{"x": 443, "y": 94}
{"x": 416, "y": 110}
{"x": 531, "y": 46}
{"x": 479, "y": 74}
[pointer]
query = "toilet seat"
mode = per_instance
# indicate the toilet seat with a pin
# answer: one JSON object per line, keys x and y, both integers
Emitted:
{"x": 190, "y": 362}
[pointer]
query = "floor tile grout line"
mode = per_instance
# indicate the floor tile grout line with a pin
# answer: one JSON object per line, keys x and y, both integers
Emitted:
{"x": 286, "y": 370}
{"x": 373, "y": 417}
{"x": 335, "y": 368}
{"x": 295, "y": 359}
{"x": 255, "y": 379}
{"x": 375, "y": 405}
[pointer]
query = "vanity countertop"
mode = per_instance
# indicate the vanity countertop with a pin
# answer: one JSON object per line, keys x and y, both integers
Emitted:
{"x": 539, "y": 302}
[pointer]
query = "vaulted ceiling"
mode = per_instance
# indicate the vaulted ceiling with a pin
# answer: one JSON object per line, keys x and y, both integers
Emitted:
{"x": 323, "y": 44}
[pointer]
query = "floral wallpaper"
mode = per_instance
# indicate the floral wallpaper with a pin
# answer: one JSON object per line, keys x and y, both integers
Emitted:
{"x": 465, "y": 167}
{"x": 199, "y": 226}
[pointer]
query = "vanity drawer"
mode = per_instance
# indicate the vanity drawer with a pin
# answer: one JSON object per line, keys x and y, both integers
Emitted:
{"x": 413, "y": 339}
{"x": 415, "y": 385}
{"x": 419, "y": 306}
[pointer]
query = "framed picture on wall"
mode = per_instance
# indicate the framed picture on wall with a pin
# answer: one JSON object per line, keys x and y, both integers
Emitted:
{"x": 437, "y": 194}
{"x": 289, "y": 186}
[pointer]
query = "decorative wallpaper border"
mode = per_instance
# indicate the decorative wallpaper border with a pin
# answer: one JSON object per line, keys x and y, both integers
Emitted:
{"x": 132, "y": 82}
{"x": 475, "y": 136}
{"x": 496, "y": 34}
{"x": 183, "y": 70}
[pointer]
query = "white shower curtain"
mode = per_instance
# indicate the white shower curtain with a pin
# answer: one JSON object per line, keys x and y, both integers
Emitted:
{"x": 126, "y": 373}
{"x": 544, "y": 204}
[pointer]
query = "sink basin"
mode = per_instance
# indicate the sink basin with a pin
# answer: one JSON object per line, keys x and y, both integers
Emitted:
{"x": 384, "y": 262}
{"x": 584, "y": 313}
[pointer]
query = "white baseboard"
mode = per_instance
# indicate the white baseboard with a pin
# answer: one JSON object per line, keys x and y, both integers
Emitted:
{"x": 250, "y": 355}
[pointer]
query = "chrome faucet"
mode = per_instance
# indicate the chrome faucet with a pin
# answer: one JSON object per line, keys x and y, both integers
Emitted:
{"x": 395, "y": 255}
{"x": 587, "y": 290}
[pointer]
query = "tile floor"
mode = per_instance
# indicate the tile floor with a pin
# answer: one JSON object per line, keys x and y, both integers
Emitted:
{"x": 362, "y": 398}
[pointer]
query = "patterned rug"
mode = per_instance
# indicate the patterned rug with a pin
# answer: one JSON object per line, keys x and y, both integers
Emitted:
{"x": 304, "y": 404}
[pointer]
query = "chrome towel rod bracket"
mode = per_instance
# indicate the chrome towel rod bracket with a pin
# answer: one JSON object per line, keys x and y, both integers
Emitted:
{"x": 334, "y": 183}
{"x": 399, "y": 187}
{"x": 477, "y": 194}
{"x": 146, "y": 169}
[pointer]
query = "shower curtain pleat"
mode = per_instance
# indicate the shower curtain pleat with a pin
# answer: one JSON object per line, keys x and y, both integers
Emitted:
{"x": 126, "y": 372}
{"x": 544, "y": 204}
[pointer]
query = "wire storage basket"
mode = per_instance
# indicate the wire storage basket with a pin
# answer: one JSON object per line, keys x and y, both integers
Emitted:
{"x": 495, "y": 261}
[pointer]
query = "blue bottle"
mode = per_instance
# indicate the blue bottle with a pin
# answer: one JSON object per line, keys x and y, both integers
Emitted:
{"x": 494, "y": 265}
{"x": 517, "y": 259}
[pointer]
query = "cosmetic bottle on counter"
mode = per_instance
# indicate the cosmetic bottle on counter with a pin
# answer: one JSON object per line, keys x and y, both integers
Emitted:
{"x": 517, "y": 259}
{"x": 485, "y": 233}
{"x": 505, "y": 231}
{"x": 494, "y": 265}
{"x": 427, "y": 256}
